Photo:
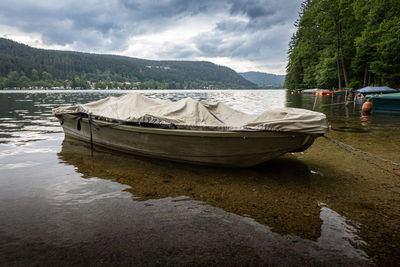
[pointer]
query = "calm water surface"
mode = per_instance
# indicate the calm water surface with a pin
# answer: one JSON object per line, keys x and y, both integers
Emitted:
{"x": 61, "y": 206}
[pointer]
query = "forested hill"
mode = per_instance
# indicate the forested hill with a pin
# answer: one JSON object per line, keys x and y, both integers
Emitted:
{"x": 21, "y": 65}
{"x": 345, "y": 43}
{"x": 263, "y": 79}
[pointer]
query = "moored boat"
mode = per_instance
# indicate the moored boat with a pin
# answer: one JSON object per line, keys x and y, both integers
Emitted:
{"x": 388, "y": 103}
{"x": 376, "y": 90}
{"x": 323, "y": 92}
{"x": 309, "y": 91}
{"x": 339, "y": 92}
{"x": 191, "y": 131}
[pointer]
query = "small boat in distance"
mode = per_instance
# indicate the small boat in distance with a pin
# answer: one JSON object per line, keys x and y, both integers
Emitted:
{"x": 323, "y": 92}
{"x": 309, "y": 91}
{"x": 376, "y": 90}
{"x": 339, "y": 92}
{"x": 191, "y": 131}
{"x": 387, "y": 103}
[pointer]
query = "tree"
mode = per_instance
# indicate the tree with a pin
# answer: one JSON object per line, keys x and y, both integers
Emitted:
{"x": 12, "y": 79}
{"x": 24, "y": 81}
{"x": 34, "y": 75}
{"x": 47, "y": 76}
{"x": 358, "y": 38}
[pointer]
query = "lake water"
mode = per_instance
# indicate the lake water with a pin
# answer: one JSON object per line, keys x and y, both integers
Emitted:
{"x": 61, "y": 206}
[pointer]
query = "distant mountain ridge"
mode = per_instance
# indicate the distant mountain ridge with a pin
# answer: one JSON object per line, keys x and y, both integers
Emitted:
{"x": 33, "y": 64}
{"x": 263, "y": 79}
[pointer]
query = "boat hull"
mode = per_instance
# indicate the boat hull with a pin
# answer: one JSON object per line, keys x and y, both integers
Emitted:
{"x": 339, "y": 92}
{"x": 388, "y": 103}
{"x": 230, "y": 149}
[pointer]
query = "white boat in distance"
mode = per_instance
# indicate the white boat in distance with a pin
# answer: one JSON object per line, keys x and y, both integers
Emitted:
{"x": 191, "y": 131}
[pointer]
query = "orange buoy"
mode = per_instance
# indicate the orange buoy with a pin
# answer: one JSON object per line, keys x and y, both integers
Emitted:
{"x": 367, "y": 106}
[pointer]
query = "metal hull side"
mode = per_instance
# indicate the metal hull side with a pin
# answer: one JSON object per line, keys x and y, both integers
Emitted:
{"x": 385, "y": 105}
{"x": 232, "y": 149}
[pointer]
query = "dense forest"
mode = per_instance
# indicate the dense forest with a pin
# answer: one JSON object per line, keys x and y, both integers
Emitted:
{"x": 24, "y": 66}
{"x": 264, "y": 80}
{"x": 345, "y": 44}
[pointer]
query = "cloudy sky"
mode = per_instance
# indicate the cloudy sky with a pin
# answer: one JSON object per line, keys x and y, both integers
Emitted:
{"x": 250, "y": 35}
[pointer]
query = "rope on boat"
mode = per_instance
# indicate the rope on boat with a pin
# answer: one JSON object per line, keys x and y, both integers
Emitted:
{"x": 78, "y": 117}
{"x": 97, "y": 127}
{"x": 91, "y": 135}
{"x": 353, "y": 151}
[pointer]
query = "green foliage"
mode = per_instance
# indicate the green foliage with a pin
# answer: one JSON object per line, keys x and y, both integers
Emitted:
{"x": 77, "y": 82}
{"x": 35, "y": 75}
{"x": 47, "y": 76}
{"x": 350, "y": 43}
{"x": 12, "y": 79}
{"x": 47, "y": 68}
{"x": 325, "y": 70}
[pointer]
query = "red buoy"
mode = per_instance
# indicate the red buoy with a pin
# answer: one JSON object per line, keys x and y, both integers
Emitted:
{"x": 367, "y": 106}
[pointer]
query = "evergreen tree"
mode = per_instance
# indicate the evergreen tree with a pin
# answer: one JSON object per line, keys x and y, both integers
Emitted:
{"x": 12, "y": 79}
{"x": 345, "y": 43}
{"x": 49, "y": 68}
{"x": 34, "y": 75}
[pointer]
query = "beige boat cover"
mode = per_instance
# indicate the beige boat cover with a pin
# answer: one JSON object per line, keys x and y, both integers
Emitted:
{"x": 192, "y": 114}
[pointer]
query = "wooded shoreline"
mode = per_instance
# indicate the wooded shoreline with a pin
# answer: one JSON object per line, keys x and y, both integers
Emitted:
{"x": 345, "y": 44}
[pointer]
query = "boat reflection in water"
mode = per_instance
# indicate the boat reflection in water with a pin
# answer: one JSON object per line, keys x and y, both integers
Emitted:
{"x": 266, "y": 214}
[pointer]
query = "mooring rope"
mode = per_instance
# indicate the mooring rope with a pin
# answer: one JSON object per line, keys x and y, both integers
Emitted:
{"x": 97, "y": 127}
{"x": 353, "y": 150}
{"x": 91, "y": 134}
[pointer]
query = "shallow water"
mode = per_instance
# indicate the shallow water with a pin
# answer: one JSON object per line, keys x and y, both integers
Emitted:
{"x": 60, "y": 205}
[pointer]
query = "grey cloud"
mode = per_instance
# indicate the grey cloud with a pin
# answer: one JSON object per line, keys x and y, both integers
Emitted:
{"x": 263, "y": 35}
{"x": 245, "y": 28}
{"x": 252, "y": 46}
{"x": 115, "y": 20}
{"x": 179, "y": 52}
{"x": 231, "y": 25}
{"x": 171, "y": 8}
{"x": 217, "y": 45}
{"x": 252, "y": 9}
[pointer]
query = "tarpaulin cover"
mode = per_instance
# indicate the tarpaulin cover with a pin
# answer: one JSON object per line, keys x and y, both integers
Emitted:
{"x": 376, "y": 89}
{"x": 192, "y": 114}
